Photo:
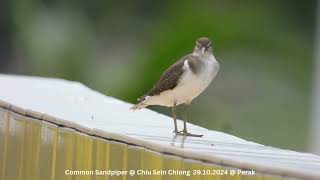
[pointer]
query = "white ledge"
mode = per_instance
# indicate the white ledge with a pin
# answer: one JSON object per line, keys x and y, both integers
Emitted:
{"x": 73, "y": 105}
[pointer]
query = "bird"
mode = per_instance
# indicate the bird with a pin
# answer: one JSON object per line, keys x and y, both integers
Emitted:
{"x": 182, "y": 82}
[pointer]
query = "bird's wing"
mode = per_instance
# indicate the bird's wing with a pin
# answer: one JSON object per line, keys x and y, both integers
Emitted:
{"x": 170, "y": 78}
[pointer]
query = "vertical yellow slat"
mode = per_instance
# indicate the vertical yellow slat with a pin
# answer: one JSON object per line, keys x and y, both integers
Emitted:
{"x": 257, "y": 176}
{"x": 100, "y": 157}
{"x": 125, "y": 161}
{"x": 235, "y": 175}
{"x": 83, "y": 156}
{"x": 210, "y": 170}
{"x": 65, "y": 153}
{"x": 15, "y": 147}
{"x": 48, "y": 138}
{"x": 271, "y": 177}
{"x": 135, "y": 160}
{"x": 31, "y": 148}
{"x": 194, "y": 167}
{"x": 226, "y": 176}
{"x": 117, "y": 159}
{"x": 4, "y": 126}
{"x": 172, "y": 165}
{"x": 152, "y": 161}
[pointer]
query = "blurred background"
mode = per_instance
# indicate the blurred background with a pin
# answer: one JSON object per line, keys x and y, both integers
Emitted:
{"x": 265, "y": 48}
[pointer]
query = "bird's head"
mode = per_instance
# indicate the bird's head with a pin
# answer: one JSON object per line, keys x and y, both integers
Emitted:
{"x": 203, "y": 46}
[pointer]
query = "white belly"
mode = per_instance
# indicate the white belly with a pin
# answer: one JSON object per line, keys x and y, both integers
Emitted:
{"x": 189, "y": 87}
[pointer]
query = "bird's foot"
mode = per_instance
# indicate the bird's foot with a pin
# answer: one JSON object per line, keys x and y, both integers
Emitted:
{"x": 175, "y": 131}
{"x": 185, "y": 133}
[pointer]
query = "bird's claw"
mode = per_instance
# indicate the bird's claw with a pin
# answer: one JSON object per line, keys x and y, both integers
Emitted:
{"x": 175, "y": 131}
{"x": 185, "y": 133}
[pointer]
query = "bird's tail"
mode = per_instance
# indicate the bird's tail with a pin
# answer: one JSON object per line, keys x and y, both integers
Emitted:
{"x": 141, "y": 104}
{"x": 138, "y": 106}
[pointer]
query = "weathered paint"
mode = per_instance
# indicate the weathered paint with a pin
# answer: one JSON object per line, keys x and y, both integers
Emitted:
{"x": 35, "y": 149}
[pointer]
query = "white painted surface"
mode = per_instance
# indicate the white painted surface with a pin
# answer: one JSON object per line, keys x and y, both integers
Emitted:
{"x": 73, "y": 102}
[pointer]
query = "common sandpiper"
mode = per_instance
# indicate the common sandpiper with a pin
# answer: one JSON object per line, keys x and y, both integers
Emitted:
{"x": 182, "y": 82}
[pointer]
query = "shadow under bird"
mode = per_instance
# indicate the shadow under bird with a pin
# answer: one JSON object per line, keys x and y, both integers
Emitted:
{"x": 183, "y": 81}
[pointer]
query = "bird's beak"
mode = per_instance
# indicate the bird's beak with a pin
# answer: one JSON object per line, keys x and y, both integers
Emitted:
{"x": 202, "y": 50}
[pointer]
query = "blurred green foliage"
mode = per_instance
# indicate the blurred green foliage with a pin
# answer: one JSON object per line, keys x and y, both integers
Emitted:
{"x": 121, "y": 48}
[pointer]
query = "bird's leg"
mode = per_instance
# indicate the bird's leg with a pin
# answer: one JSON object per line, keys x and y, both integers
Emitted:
{"x": 185, "y": 107}
{"x": 174, "y": 116}
{"x": 184, "y": 131}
